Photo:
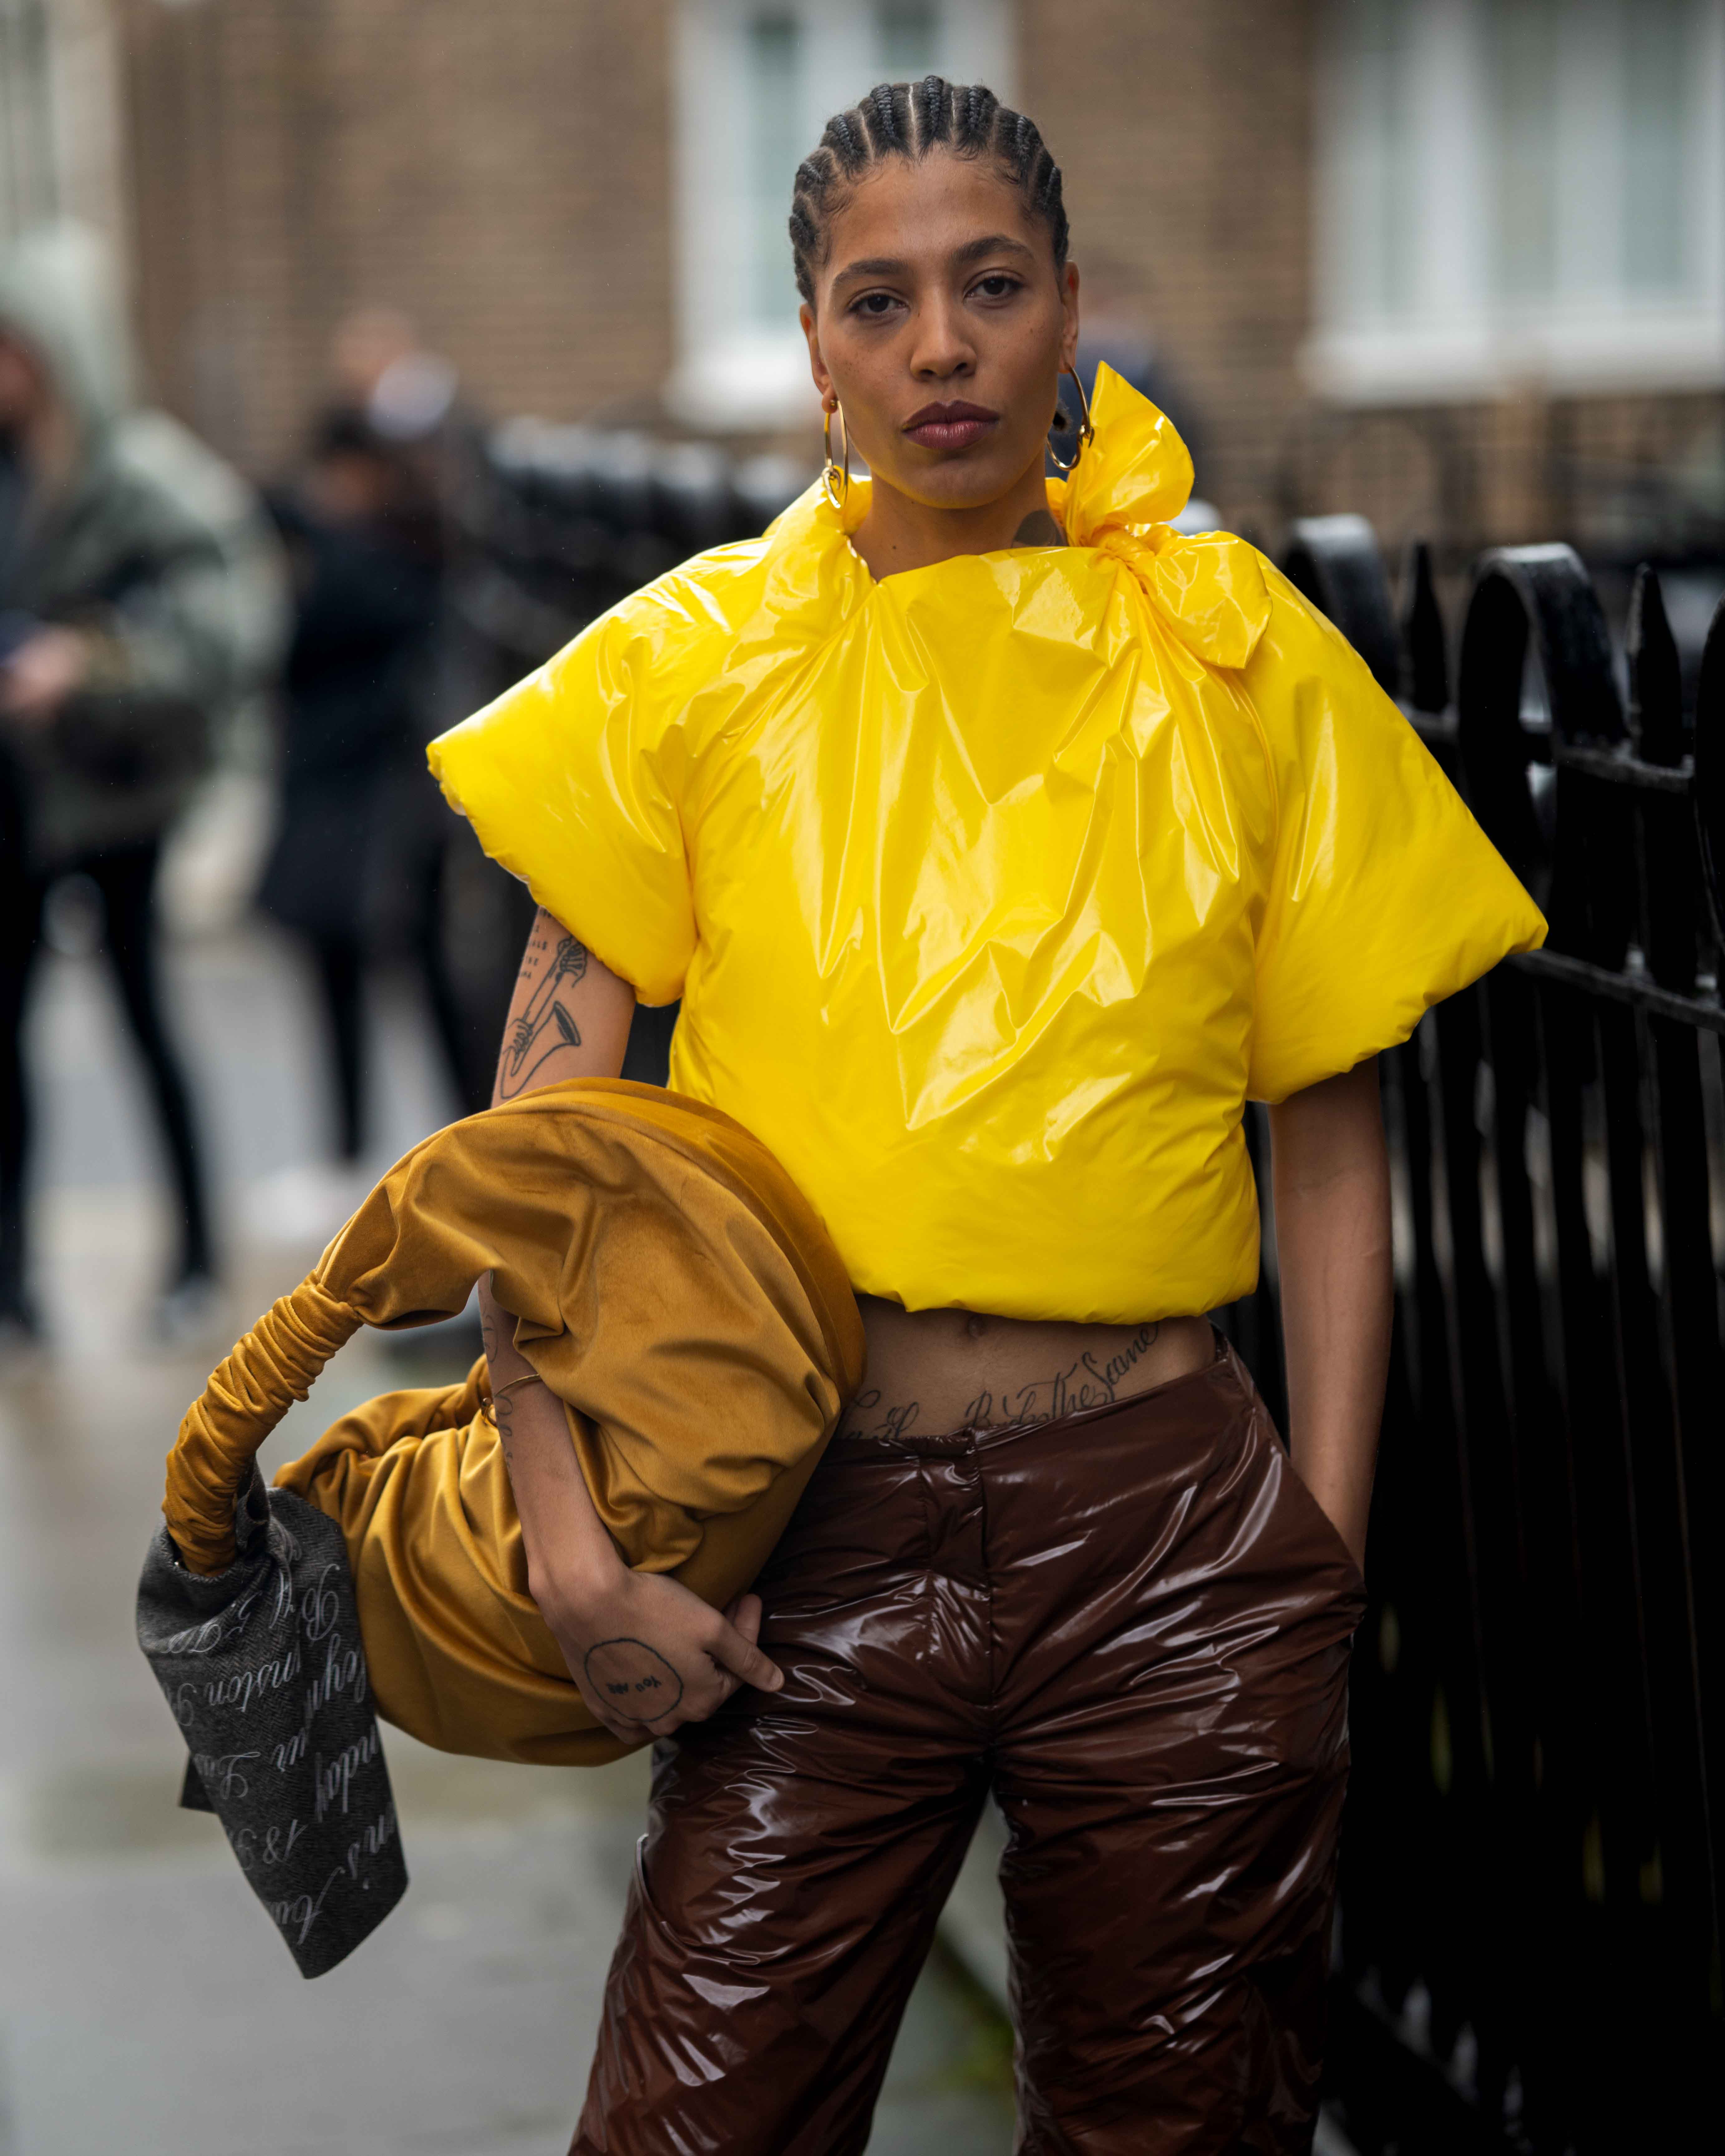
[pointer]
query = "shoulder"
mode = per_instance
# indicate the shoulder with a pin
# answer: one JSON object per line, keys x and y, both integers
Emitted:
{"x": 1312, "y": 693}
{"x": 684, "y": 650}
{"x": 693, "y": 613}
{"x": 1298, "y": 639}
{"x": 184, "y": 486}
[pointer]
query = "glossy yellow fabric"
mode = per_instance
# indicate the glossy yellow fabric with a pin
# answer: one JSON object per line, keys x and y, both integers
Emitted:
{"x": 670, "y": 1286}
{"x": 994, "y": 890}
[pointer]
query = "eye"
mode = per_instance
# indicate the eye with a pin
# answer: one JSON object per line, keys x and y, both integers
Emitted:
{"x": 998, "y": 284}
{"x": 873, "y": 306}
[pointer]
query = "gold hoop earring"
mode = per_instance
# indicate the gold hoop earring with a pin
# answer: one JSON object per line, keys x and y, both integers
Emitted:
{"x": 1086, "y": 432}
{"x": 835, "y": 478}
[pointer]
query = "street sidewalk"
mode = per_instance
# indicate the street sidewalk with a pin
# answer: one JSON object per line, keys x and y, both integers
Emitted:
{"x": 144, "y": 2001}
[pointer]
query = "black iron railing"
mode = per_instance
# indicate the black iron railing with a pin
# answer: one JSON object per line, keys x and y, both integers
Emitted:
{"x": 1529, "y": 1951}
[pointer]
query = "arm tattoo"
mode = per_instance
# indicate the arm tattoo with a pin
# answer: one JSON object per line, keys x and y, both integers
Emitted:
{"x": 503, "y": 1414}
{"x": 629, "y": 1675}
{"x": 545, "y": 1024}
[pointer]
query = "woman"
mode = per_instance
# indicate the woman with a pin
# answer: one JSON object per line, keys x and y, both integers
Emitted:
{"x": 1001, "y": 843}
{"x": 363, "y": 542}
{"x": 140, "y": 606}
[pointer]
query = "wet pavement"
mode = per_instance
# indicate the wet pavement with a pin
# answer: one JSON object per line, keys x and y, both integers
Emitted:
{"x": 144, "y": 2001}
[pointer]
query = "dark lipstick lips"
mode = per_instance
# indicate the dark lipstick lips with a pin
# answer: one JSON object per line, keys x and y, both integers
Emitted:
{"x": 950, "y": 426}
{"x": 947, "y": 415}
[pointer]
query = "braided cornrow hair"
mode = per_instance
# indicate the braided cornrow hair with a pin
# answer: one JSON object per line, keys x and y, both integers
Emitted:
{"x": 909, "y": 119}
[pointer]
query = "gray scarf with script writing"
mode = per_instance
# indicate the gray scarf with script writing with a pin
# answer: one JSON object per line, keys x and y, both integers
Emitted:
{"x": 264, "y": 1671}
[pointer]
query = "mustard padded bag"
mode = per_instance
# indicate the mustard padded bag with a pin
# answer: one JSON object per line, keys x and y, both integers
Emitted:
{"x": 673, "y": 1288}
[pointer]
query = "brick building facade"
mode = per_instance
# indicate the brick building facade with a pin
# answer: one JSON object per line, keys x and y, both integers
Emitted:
{"x": 508, "y": 175}
{"x": 500, "y": 173}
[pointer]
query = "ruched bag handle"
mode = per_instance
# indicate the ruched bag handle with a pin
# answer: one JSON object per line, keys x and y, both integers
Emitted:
{"x": 516, "y": 1191}
{"x": 248, "y": 1394}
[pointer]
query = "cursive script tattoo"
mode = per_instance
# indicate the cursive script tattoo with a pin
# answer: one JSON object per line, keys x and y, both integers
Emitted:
{"x": 503, "y": 1414}
{"x": 636, "y": 1683}
{"x": 545, "y": 1024}
{"x": 860, "y": 1420}
{"x": 502, "y": 1405}
{"x": 1039, "y": 529}
{"x": 1091, "y": 1380}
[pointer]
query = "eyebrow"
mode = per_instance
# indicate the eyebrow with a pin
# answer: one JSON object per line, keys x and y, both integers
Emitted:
{"x": 888, "y": 265}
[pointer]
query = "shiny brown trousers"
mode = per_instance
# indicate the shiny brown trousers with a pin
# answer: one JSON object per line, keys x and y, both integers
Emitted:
{"x": 1132, "y": 1625}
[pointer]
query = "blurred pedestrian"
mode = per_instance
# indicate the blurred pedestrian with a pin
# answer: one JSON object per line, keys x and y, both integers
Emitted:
{"x": 363, "y": 534}
{"x": 410, "y": 396}
{"x": 381, "y": 367}
{"x": 141, "y": 593}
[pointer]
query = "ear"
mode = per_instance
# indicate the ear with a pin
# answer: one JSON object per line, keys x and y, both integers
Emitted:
{"x": 817, "y": 364}
{"x": 1069, "y": 316}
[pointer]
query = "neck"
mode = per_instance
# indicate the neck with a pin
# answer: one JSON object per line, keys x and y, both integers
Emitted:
{"x": 899, "y": 534}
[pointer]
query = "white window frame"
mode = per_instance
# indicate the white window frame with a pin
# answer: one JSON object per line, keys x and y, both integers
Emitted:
{"x": 59, "y": 115}
{"x": 1458, "y": 338}
{"x": 729, "y": 372}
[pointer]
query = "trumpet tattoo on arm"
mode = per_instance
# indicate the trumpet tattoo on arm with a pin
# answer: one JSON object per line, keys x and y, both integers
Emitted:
{"x": 544, "y": 1025}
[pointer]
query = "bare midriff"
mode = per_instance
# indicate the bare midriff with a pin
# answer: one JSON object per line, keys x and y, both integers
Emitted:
{"x": 934, "y": 1371}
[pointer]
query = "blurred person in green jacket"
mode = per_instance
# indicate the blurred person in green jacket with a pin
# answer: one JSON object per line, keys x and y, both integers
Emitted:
{"x": 142, "y": 600}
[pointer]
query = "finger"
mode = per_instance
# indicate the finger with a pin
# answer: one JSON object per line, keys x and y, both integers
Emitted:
{"x": 644, "y": 1732}
{"x": 614, "y": 1725}
{"x": 732, "y": 1651}
{"x": 745, "y": 1614}
{"x": 702, "y": 1703}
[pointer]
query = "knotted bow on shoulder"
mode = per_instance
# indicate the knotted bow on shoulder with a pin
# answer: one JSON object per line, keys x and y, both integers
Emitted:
{"x": 1136, "y": 474}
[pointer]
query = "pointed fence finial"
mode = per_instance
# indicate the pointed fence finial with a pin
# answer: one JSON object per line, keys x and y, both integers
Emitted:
{"x": 1656, "y": 677}
{"x": 1423, "y": 645}
{"x": 1710, "y": 769}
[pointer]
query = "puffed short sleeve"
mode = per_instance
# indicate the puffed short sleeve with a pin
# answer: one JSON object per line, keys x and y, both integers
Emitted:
{"x": 1384, "y": 895}
{"x": 571, "y": 782}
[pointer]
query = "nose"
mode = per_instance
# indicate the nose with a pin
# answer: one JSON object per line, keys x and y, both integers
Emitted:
{"x": 942, "y": 350}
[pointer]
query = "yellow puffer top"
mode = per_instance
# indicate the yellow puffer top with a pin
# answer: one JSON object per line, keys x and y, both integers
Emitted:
{"x": 994, "y": 890}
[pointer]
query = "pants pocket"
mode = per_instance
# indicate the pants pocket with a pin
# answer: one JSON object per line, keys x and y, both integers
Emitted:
{"x": 1317, "y": 1530}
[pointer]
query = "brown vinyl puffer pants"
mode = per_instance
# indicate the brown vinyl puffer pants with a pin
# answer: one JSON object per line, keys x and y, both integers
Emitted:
{"x": 1133, "y": 1625}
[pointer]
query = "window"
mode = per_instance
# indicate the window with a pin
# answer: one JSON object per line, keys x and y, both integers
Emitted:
{"x": 756, "y": 81}
{"x": 28, "y": 189}
{"x": 1520, "y": 189}
{"x": 59, "y": 114}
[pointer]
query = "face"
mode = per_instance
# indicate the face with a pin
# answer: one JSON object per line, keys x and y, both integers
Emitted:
{"x": 941, "y": 326}
{"x": 22, "y": 392}
{"x": 349, "y": 487}
{"x": 366, "y": 345}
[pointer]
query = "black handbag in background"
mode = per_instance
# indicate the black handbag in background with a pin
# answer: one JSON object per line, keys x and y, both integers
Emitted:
{"x": 132, "y": 742}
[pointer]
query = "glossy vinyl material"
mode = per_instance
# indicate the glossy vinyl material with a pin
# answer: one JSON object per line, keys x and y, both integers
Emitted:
{"x": 1133, "y": 1625}
{"x": 993, "y": 890}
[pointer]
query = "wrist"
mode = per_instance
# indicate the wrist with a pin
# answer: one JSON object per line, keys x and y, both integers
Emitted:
{"x": 571, "y": 1587}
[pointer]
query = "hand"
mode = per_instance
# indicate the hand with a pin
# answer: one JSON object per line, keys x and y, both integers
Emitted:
{"x": 647, "y": 1655}
{"x": 1343, "y": 1501}
{"x": 45, "y": 669}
